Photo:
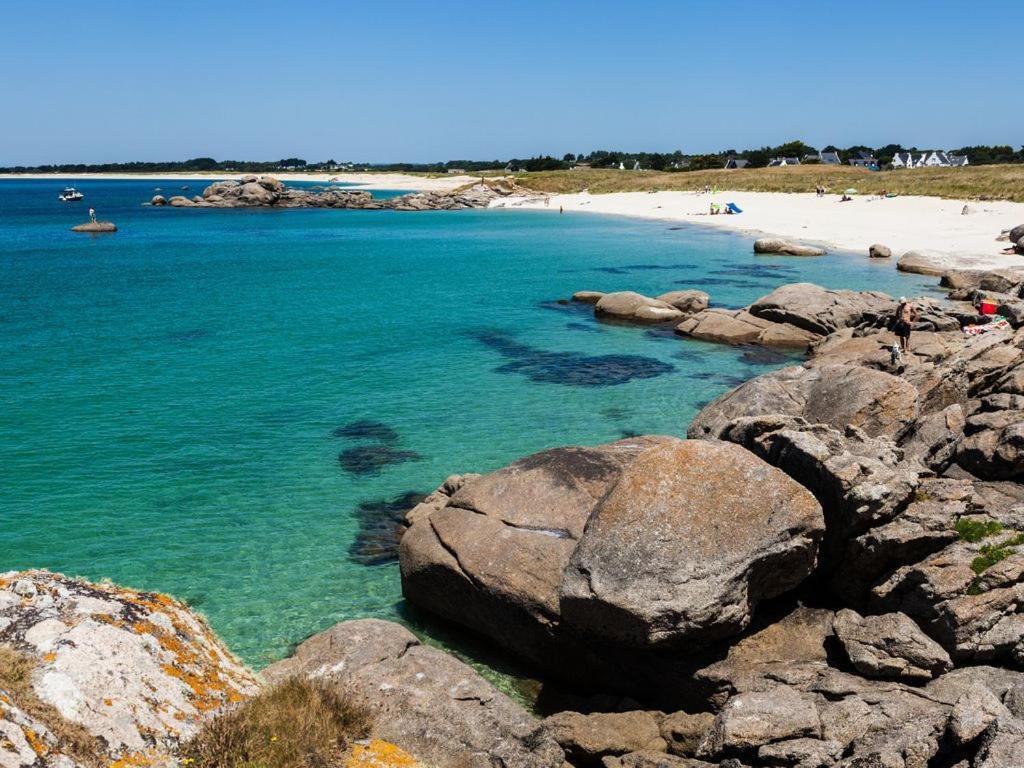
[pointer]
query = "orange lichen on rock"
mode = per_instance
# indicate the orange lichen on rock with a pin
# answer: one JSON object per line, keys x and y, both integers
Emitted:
{"x": 38, "y": 745}
{"x": 380, "y": 754}
{"x": 133, "y": 760}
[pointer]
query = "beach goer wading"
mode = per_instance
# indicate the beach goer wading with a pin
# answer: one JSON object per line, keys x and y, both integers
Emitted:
{"x": 906, "y": 314}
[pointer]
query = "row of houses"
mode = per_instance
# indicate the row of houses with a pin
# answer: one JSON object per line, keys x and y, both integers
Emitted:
{"x": 930, "y": 159}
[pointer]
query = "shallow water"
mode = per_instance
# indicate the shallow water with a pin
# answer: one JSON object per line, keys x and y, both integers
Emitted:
{"x": 209, "y": 403}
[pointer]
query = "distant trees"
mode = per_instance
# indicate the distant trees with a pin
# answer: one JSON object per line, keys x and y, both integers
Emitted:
{"x": 599, "y": 158}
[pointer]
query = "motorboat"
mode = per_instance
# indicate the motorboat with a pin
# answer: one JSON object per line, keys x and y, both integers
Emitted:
{"x": 70, "y": 195}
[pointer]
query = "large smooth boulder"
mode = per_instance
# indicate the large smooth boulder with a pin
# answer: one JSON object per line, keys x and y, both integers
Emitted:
{"x": 688, "y": 302}
{"x": 738, "y": 326}
{"x": 923, "y": 263}
{"x": 491, "y": 557}
{"x": 822, "y": 310}
{"x": 681, "y": 551}
{"x": 1016, "y": 234}
{"x": 424, "y": 700}
{"x": 836, "y": 395}
{"x": 136, "y": 671}
{"x": 633, "y": 307}
{"x": 786, "y": 247}
{"x": 890, "y": 646}
{"x": 879, "y": 251}
{"x": 495, "y": 555}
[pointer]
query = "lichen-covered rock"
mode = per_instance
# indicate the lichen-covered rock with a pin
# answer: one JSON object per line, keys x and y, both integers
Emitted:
{"x": 889, "y": 646}
{"x": 137, "y": 670}
{"x": 27, "y": 742}
{"x": 420, "y": 698}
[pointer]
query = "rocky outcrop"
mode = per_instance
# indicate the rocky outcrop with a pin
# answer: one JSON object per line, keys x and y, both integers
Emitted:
{"x": 422, "y": 699}
{"x": 889, "y": 646}
{"x": 559, "y": 556}
{"x": 136, "y": 672}
{"x": 836, "y": 395}
{"x": 268, "y": 192}
{"x": 633, "y": 307}
{"x": 821, "y": 310}
{"x": 786, "y": 247}
{"x": 95, "y": 227}
{"x": 879, "y": 251}
{"x": 688, "y": 302}
{"x": 730, "y": 326}
{"x": 793, "y": 316}
{"x": 629, "y": 581}
{"x": 587, "y": 739}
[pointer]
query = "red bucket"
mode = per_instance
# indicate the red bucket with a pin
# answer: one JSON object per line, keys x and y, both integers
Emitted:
{"x": 988, "y": 307}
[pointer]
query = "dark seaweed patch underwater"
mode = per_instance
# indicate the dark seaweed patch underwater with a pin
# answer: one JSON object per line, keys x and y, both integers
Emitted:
{"x": 571, "y": 369}
{"x": 381, "y": 524}
{"x": 367, "y": 429}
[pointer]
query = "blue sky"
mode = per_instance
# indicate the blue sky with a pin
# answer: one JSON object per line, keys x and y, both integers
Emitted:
{"x": 105, "y": 81}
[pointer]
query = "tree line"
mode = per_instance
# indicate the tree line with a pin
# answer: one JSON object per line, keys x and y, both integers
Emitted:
{"x": 601, "y": 158}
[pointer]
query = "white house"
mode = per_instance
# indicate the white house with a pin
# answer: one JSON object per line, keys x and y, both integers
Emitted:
{"x": 736, "y": 162}
{"x": 636, "y": 165}
{"x": 929, "y": 159}
{"x": 778, "y": 162}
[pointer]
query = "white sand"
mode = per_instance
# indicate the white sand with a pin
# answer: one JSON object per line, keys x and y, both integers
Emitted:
{"x": 902, "y": 223}
{"x": 364, "y": 180}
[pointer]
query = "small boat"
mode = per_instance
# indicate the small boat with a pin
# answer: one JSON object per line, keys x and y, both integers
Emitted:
{"x": 185, "y": 187}
{"x": 70, "y": 195}
{"x": 158, "y": 189}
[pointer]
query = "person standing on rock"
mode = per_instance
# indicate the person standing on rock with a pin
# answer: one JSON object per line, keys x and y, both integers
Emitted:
{"x": 92, "y": 215}
{"x": 906, "y": 314}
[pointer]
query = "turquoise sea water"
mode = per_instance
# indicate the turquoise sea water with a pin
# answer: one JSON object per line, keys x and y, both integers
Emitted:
{"x": 171, "y": 392}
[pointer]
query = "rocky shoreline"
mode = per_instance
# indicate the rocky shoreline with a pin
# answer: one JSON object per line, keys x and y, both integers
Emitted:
{"x": 269, "y": 192}
{"x": 828, "y": 574}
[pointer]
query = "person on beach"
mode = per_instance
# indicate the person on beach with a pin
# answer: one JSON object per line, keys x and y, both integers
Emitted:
{"x": 561, "y": 209}
{"x": 92, "y": 215}
{"x": 906, "y": 314}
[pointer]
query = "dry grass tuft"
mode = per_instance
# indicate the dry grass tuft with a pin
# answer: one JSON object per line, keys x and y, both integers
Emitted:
{"x": 72, "y": 739}
{"x": 298, "y": 723}
{"x": 981, "y": 182}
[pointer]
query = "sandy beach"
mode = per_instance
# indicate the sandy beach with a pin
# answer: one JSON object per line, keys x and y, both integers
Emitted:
{"x": 364, "y": 180}
{"x": 902, "y": 223}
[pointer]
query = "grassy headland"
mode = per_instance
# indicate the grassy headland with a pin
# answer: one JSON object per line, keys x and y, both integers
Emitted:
{"x": 987, "y": 182}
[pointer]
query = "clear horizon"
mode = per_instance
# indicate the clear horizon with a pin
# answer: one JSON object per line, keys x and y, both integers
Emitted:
{"x": 417, "y": 84}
